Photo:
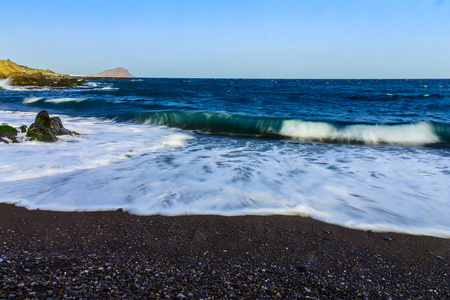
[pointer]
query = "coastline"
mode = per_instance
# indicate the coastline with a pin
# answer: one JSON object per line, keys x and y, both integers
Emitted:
{"x": 113, "y": 254}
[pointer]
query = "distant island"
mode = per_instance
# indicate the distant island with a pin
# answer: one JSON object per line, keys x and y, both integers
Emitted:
{"x": 24, "y": 76}
{"x": 117, "y": 72}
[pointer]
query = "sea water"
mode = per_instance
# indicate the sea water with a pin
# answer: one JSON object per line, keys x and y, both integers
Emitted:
{"x": 368, "y": 154}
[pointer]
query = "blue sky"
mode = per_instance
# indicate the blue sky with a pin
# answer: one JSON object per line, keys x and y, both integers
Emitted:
{"x": 249, "y": 39}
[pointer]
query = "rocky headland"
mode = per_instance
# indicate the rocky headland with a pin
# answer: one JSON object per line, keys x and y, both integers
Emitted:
{"x": 114, "y": 73}
{"x": 24, "y": 76}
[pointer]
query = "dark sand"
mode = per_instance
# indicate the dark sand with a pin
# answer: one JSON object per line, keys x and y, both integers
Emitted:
{"x": 104, "y": 255}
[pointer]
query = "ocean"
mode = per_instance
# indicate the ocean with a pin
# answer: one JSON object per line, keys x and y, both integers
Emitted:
{"x": 367, "y": 154}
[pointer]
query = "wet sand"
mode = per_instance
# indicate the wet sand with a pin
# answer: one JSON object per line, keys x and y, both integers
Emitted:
{"x": 100, "y": 255}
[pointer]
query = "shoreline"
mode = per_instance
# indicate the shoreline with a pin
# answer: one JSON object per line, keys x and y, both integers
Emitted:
{"x": 115, "y": 254}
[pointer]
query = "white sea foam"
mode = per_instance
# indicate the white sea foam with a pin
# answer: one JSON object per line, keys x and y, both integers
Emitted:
{"x": 157, "y": 170}
{"x": 406, "y": 134}
{"x": 64, "y": 100}
{"x": 101, "y": 86}
{"x": 5, "y": 84}
{"x": 54, "y": 100}
{"x": 32, "y": 100}
{"x": 92, "y": 84}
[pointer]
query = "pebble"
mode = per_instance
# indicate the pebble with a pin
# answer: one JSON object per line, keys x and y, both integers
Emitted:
{"x": 304, "y": 268}
{"x": 170, "y": 265}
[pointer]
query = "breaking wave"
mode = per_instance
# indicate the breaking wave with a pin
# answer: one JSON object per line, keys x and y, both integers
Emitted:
{"x": 5, "y": 83}
{"x": 408, "y": 134}
{"x": 421, "y": 133}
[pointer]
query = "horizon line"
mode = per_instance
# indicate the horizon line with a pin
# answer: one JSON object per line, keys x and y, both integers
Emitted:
{"x": 272, "y": 78}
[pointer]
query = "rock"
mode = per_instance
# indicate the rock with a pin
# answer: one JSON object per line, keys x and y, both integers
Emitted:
{"x": 304, "y": 268}
{"x": 43, "y": 117}
{"x": 39, "y": 132}
{"x": 45, "y": 129}
{"x": 57, "y": 127}
{"x": 9, "y": 133}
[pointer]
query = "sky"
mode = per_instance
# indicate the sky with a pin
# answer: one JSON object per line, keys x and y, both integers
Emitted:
{"x": 231, "y": 39}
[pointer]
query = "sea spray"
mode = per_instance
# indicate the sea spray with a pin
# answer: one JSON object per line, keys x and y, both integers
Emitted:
{"x": 5, "y": 83}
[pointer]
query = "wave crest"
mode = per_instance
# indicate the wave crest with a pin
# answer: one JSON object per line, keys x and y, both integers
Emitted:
{"x": 412, "y": 134}
{"x": 403, "y": 134}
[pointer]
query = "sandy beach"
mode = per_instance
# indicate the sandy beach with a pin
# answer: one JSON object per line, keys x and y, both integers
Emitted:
{"x": 93, "y": 255}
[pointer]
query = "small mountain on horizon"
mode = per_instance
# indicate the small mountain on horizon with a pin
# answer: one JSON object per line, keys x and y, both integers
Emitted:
{"x": 117, "y": 72}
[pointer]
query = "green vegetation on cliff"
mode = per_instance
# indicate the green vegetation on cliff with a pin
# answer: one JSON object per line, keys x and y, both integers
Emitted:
{"x": 25, "y": 76}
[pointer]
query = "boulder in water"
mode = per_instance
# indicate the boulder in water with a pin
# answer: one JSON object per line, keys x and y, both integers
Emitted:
{"x": 8, "y": 133}
{"x": 58, "y": 128}
{"x": 38, "y": 131}
{"x": 45, "y": 129}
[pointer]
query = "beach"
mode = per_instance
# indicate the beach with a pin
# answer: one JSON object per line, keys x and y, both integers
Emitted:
{"x": 228, "y": 189}
{"x": 114, "y": 254}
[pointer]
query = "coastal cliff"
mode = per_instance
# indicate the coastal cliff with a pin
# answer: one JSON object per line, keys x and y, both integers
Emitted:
{"x": 24, "y": 76}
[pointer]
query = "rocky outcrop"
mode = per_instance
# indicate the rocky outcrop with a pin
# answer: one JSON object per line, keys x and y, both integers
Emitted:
{"x": 25, "y": 76}
{"x": 117, "y": 72}
{"x": 44, "y": 129}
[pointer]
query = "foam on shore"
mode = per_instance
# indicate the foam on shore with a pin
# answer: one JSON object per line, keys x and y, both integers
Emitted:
{"x": 148, "y": 169}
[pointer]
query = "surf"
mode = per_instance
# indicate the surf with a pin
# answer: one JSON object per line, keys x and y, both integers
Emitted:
{"x": 422, "y": 133}
{"x": 239, "y": 147}
{"x": 419, "y": 133}
{"x": 409, "y": 134}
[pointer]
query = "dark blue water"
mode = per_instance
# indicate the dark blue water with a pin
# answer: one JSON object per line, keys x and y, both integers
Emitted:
{"x": 360, "y": 153}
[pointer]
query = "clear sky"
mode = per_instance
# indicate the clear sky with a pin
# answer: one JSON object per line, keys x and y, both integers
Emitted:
{"x": 242, "y": 38}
